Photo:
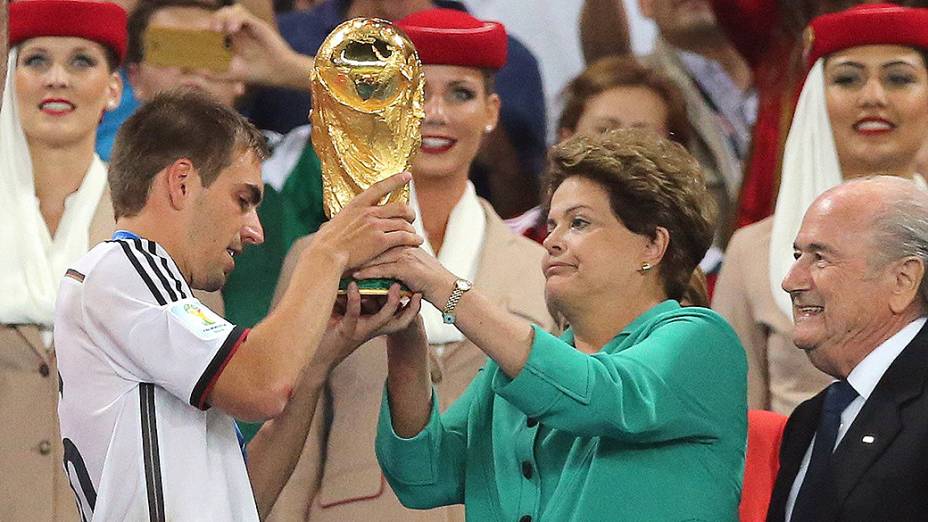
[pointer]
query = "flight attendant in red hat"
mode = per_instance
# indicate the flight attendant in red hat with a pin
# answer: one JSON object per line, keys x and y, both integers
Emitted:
{"x": 54, "y": 205}
{"x": 863, "y": 110}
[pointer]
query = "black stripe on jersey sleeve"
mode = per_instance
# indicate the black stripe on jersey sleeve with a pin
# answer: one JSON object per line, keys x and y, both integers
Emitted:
{"x": 138, "y": 268}
{"x": 150, "y": 453}
{"x": 208, "y": 379}
{"x": 167, "y": 268}
{"x": 150, "y": 257}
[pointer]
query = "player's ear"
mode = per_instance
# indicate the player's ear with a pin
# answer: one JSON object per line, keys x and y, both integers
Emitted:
{"x": 179, "y": 176}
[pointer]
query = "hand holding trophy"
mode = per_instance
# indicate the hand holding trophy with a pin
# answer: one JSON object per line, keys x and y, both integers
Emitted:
{"x": 368, "y": 103}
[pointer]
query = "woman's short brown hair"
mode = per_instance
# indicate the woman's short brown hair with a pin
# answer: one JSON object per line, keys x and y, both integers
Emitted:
{"x": 624, "y": 71}
{"x": 652, "y": 182}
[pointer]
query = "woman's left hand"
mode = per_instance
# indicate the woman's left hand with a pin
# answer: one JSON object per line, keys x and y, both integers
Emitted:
{"x": 421, "y": 272}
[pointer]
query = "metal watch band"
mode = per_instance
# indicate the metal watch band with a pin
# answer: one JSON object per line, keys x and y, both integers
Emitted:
{"x": 460, "y": 286}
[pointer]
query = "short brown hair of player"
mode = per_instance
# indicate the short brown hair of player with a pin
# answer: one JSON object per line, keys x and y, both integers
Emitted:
{"x": 176, "y": 124}
{"x": 624, "y": 71}
{"x": 651, "y": 182}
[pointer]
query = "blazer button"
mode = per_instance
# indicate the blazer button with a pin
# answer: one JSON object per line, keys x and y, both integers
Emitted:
{"x": 527, "y": 469}
{"x": 43, "y": 370}
{"x": 531, "y": 422}
{"x": 526, "y": 518}
{"x": 45, "y": 447}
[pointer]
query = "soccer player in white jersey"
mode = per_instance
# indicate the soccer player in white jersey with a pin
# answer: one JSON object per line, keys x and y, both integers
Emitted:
{"x": 150, "y": 377}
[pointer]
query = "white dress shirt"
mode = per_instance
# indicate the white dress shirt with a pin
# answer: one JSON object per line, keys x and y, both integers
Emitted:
{"x": 863, "y": 378}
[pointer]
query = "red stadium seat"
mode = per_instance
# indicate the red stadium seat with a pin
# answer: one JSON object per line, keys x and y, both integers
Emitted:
{"x": 765, "y": 431}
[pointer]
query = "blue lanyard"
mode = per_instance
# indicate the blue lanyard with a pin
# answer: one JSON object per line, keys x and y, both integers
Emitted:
{"x": 125, "y": 234}
{"x": 241, "y": 441}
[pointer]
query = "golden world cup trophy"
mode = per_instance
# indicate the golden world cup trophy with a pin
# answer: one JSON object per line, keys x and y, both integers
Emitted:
{"x": 368, "y": 103}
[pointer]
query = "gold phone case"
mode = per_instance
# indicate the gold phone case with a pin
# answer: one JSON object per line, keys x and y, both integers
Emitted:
{"x": 189, "y": 49}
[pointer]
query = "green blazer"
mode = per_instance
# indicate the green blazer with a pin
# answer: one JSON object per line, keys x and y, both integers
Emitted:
{"x": 650, "y": 428}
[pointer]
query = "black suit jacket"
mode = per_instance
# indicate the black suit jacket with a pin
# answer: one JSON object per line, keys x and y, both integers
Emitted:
{"x": 880, "y": 468}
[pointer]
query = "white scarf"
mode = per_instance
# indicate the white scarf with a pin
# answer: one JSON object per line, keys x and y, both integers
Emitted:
{"x": 810, "y": 167}
{"x": 460, "y": 254}
{"x": 32, "y": 263}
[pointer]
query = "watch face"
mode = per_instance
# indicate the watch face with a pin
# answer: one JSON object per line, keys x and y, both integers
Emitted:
{"x": 463, "y": 284}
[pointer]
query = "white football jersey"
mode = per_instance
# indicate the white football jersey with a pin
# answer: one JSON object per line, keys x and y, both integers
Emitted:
{"x": 138, "y": 356}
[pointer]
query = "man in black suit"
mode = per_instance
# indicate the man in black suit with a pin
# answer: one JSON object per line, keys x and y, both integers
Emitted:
{"x": 858, "y": 451}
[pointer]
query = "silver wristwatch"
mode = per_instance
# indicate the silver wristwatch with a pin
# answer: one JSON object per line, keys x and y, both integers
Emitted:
{"x": 460, "y": 286}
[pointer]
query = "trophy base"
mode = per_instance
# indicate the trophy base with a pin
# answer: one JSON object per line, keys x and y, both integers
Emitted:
{"x": 372, "y": 286}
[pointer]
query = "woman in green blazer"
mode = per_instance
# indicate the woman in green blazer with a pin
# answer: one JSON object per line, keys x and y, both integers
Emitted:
{"x": 637, "y": 412}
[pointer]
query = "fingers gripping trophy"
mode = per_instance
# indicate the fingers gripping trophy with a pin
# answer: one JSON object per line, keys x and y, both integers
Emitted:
{"x": 368, "y": 104}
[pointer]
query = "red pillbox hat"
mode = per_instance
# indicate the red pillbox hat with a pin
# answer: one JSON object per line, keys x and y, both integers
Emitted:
{"x": 452, "y": 37}
{"x": 101, "y": 22}
{"x": 868, "y": 24}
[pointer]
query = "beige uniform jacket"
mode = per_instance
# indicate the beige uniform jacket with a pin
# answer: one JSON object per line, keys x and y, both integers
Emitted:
{"x": 780, "y": 375}
{"x": 337, "y": 477}
{"x": 33, "y": 486}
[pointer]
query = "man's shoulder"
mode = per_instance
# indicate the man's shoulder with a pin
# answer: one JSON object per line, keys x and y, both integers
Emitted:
{"x": 907, "y": 375}
{"x": 137, "y": 268}
{"x": 103, "y": 257}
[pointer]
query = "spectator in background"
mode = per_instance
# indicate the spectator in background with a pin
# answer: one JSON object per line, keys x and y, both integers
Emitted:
{"x": 511, "y": 159}
{"x": 337, "y": 477}
{"x": 54, "y": 205}
{"x": 259, "y": 54}
{"x": 621, "y": 92}
{"x": 768, "y": 33}
{"x": 263, "y": 9}
{"x": 863, "y": 109}
{"x": 694, "y": 53}
{"x": 614, "y": 92}
{"x": 149, "y": 79}
{"x": 106, "y": 132}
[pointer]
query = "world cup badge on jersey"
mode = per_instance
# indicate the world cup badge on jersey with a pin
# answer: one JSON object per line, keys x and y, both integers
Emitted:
{"x": 199, "y": 320}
